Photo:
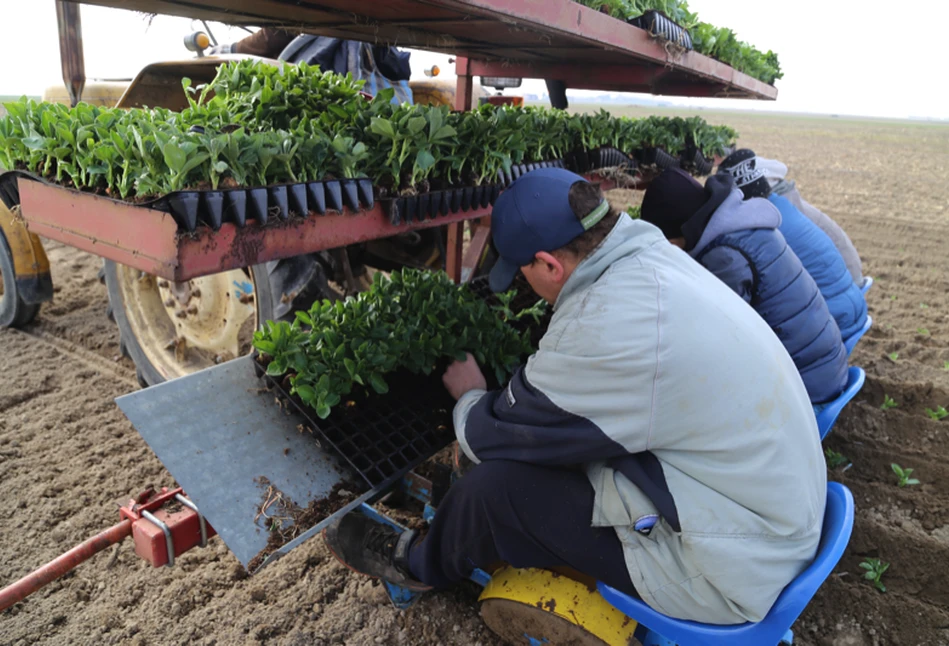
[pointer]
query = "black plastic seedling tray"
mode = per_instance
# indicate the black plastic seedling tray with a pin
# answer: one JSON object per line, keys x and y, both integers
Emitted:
{"x": 382, "y": 437}
{"x": 660, "y": 26}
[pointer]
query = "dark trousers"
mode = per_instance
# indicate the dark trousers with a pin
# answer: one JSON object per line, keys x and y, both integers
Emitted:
{"x": 521, "y": 514}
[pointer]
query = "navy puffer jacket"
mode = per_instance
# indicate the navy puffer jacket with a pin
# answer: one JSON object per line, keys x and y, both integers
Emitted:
{"x": 738, "y": 241}
{"x": 825, "y": 265}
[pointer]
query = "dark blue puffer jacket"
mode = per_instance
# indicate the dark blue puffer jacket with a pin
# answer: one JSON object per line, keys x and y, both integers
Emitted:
{"x": 738, "y": 241}
{"x": 825, "y": 265}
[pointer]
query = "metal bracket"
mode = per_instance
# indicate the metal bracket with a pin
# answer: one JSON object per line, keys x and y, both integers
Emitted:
{"x": 169, "y": 543}
{"x": 193, "y": 507}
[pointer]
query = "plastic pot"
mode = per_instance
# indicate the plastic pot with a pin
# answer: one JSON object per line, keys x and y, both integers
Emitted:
{"x": 235, "y": 207}
{"x": 424, "y": 206}
{"x": 467, "y": 193}
{"x": 212, "y": 212}
{"x": 334, "y": 195}
{"x": 486, "y": 196}
{"x": 364, "y": 184}
{"x": 350, "y": 194}
{"x": 280, "y": 201}
{"x": 184, "y": 209}
{"x": 455, "y": 200}
{"x": 258, "y": 205}
{"x": 316, "y": 197}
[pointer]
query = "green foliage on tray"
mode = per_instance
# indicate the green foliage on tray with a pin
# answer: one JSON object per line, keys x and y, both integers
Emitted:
{"x": 720, "y": 43}
{"x": 411, "y": 321}
{"x": 256, "y": 124}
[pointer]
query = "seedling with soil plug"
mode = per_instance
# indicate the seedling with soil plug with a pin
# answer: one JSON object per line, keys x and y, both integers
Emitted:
{"x": 904, "y": 475}
{"x": 888, "y": 403}
{"x": 874, "y": 572}
{"x": 835, "y": 460}
{"x": 937, "y": 414}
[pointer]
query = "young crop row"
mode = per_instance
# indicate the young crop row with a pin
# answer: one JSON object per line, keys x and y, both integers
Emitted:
{"x": 258, "y": 125}
{"x": 410, "y": 321}
{"x": 720, "y": 43}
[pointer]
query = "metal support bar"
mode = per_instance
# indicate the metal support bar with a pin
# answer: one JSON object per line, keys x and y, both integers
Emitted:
{"x": 169, "y": 542}
{"x": 62, "y": 564}
{"x": 70, "y": 48}
{"x": 203, "y": 524}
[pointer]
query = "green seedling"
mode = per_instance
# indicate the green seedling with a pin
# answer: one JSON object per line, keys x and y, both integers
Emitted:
{"x": 923, "y": 331}
{"x": 834, "y": 459}
{"x": 874, "y": 572}
{"x": 945, "y": 366}
{"x": 892, "y": 297}
{"x": 888, "y": 403}
{"x": 904, "y": 475}
{"x": 923, "y": 306}
{"x": 894, "y": 356}
{"x": 939, "y": 413}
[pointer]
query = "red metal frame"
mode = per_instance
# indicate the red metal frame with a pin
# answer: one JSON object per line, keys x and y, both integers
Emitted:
{"x": 548, "y": 38}
{"x": 148, "y": 240}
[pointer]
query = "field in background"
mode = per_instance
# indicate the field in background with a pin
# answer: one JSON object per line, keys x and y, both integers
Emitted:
{"x": 67, "y": 454}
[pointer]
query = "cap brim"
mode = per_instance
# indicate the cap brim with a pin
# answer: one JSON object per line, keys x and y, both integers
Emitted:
{"x": 502, "y": 275}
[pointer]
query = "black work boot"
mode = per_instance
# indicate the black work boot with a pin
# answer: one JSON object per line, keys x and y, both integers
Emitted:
{"x": 374, "y": 549}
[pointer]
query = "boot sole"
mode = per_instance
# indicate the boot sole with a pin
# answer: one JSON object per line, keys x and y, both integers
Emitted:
{"x": 413, "y": 588}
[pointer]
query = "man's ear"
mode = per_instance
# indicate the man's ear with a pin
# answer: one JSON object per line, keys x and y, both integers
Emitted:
{"x": 552, "y": 265}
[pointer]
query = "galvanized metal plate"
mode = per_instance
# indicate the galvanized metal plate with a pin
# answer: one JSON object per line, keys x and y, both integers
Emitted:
{"x": 218, "y": 433}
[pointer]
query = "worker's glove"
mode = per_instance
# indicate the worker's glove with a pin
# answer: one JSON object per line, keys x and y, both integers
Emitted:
{"x": 217, "y": 50}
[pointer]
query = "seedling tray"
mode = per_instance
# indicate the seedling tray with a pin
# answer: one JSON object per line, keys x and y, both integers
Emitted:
{"x": 656, "y": 157}
{"x": 660, "y": 26}
{"x": 585, "y": 161}
{"x": 382, "y": 437}
{"x": 695, "y": 162}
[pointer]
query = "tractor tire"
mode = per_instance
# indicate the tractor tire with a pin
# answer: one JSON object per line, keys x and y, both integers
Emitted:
{"x": 13, "y": 311}
{"x": 170, "y": 330}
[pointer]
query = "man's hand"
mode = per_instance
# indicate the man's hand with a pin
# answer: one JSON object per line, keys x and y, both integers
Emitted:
{"x": 463, "y": 376}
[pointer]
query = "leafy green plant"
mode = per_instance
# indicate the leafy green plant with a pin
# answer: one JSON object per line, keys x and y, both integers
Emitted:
{"x": 888, "y": 403}
{"x": 923, "y": 306}
{"x": 904, "y": 475}
{"x": 893, "y": 356}
{"x": 938, "y": 413}
{"x": 834, "y": 459}
{"x": 410, "y": 321}
{"x": 875, "y": 568}
{"x": 945, "y": 366}
{"x": 923, "y": 331}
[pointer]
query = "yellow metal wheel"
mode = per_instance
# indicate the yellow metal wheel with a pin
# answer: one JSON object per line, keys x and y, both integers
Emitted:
{"x": 173, "y": 329}
{"x": 532, "y": 606}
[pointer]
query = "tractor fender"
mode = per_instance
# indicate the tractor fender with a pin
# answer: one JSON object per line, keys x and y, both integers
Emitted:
{"x": 30, "y": 264}
{"x": 534, "y": 606}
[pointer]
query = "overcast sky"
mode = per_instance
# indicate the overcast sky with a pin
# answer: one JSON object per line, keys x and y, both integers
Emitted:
{"x": 839, "y": 56}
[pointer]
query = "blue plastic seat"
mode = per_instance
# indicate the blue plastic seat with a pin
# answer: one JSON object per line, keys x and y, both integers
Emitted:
{"x": 851, "y": 342}
{"x": 827, "y": 413}
{"x": 867, "y": 284}
{"x": 838, "y": 523}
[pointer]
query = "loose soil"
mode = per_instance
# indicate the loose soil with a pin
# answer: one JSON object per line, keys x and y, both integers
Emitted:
{"x": 68, "y": 456}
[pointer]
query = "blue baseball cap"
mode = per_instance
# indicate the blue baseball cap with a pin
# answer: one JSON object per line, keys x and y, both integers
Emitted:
{"x": 534, "y": 215}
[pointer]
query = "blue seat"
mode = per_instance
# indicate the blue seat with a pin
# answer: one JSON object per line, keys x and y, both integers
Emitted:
{"x": 827, "y": 413}
{"x": 851, "y": 342}
{"x": 838, "y": 523}
{"x": 867, "y": 284}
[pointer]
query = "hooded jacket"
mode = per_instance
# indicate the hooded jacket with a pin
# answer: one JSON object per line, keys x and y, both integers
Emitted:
{"x": 825, "y": 265}
{"x": 738, "y": 241}
{"x": 706, "y": 427}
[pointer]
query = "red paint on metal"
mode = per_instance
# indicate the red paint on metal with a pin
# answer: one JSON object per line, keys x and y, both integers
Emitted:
{"x": 559, "y": 33}
{"x": 185, "y": 530}
{"x": 62, "y": 564}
